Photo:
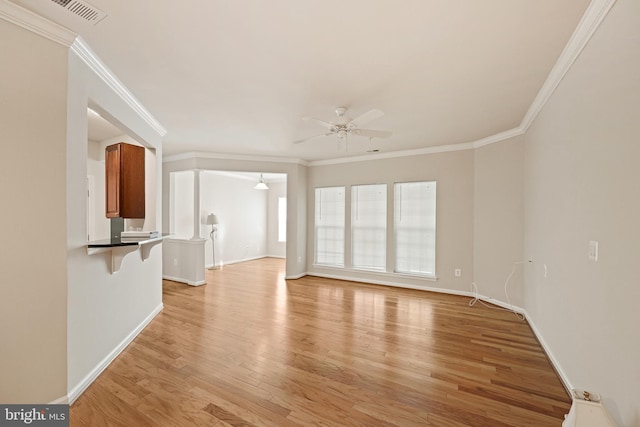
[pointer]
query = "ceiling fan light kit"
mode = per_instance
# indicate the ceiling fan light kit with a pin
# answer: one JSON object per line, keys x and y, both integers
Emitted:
{"x": 344, "y": 126}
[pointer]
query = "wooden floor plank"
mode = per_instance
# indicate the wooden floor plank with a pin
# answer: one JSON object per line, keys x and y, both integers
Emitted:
{"x": 251, "y": 349}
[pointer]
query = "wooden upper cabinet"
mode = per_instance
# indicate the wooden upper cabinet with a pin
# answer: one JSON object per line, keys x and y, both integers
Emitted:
{"x": 124, "y": 166}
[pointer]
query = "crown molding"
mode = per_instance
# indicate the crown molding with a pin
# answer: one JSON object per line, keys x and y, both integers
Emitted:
{"x": 507, "y": 134}
{"x": 378, "y": 156}
{"x": 250, "y": 176}
{"x": 35, "y": 23}
{"x": 84, "y": 52}
{"x": 422, "y": 151}
{"x": 224, "y": 156}
{"x": 394, "y": 154}
{"x": 591, "y": 20}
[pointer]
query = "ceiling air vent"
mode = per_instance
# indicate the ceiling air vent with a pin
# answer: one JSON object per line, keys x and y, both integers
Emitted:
{"x": 82, "y": 9}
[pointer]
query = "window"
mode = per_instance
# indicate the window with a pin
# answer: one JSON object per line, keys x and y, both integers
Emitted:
{"x": 415, "y": 227}
{"x": 329, "y": 226}
{"x": 369, "y": 226}
{"x": 282, "y": 219}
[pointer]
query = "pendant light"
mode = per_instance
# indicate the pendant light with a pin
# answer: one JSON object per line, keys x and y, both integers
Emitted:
{"x": 261, "y": 184}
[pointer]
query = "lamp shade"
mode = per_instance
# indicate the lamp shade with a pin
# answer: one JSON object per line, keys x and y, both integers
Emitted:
{"x": 212, "y": 219}
{"x": 261, "y": 184}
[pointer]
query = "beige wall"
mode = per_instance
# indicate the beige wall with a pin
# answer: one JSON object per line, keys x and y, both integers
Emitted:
{"x": 498, "y": 220}
{"x": 33, "y": 289}
{"x": 582, "y": 183}
{"x": 453, "y": 172}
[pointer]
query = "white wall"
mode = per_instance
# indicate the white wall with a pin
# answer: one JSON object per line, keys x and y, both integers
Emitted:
{"x": 498, "y": 220}
{"x": 582, "y": 183}
{"x": 101, "y": 227}
{"x": 33, "y": 293}
{"x": 454, "y": 173}
{"x": 274, "y": 247}
{"x": 181, "y": 198}
{"x": 104, "y": 309}
{"x": 242, "y": 213}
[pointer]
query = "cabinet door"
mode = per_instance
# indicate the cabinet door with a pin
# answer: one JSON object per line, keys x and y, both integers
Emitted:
{"x": 112, "y": 166}
{"x": 125, "y": 181}
{"x": 132, "y": 178}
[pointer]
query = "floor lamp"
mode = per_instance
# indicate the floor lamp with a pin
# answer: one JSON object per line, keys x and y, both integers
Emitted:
{"x": 212, "y": 220}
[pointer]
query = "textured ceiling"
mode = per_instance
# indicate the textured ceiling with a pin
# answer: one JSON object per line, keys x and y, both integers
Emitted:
{"x": 238, "y": 76}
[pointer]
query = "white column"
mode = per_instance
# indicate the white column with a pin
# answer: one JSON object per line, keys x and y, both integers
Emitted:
{"x": 196, "y": 204}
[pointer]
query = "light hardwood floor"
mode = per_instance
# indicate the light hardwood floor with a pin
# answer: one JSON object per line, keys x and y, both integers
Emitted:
{"x": 251, "y": 349}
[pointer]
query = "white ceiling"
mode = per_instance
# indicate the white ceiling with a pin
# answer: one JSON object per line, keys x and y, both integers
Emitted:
{"x": 237, "y": 76}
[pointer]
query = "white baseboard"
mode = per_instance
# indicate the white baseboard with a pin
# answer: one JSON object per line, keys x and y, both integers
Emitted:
{"x": 556, "y": 364}
{"x": 276, "y": 256}
{"x": 499, "y": 303}
{"x": 60, "y": 401}
{"x": 75, "y": 392}
{"x": 181, "y": 280}
{"x": 297, "y": 276}
{"x": 236, "y": 261}
{"x": 390, "y": 283}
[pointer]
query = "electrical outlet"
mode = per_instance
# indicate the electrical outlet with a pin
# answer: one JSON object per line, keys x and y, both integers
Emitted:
{"x": 545, "y": 270}
{"x": 175, "y": 261}
{"x": 457, "y": 272}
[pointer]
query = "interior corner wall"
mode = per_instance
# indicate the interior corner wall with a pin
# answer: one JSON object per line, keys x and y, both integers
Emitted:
{"x": 33, "y": 290}
{"x": 105, "y": 310}
{"x": 453, "y": 172}
{"x": 582, "y": 183}
{"x": 498, "y": 220}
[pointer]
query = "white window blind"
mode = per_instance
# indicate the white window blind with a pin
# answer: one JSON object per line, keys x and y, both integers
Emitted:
{"x": 415, "y": 227}
{"x": 282, "y": 219}
{"x": 369, "y": 226}
{"x": 329, "y": 226}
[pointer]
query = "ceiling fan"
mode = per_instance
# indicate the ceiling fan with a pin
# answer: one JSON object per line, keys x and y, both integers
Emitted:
{"x": 343, "y": 125}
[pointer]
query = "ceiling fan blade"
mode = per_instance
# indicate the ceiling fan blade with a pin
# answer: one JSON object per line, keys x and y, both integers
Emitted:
{"x": 311, "y": 137}
{"x": 320, "y": 122}
{"x": 367, "y": 117}
{"x": 373, "y": 133}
